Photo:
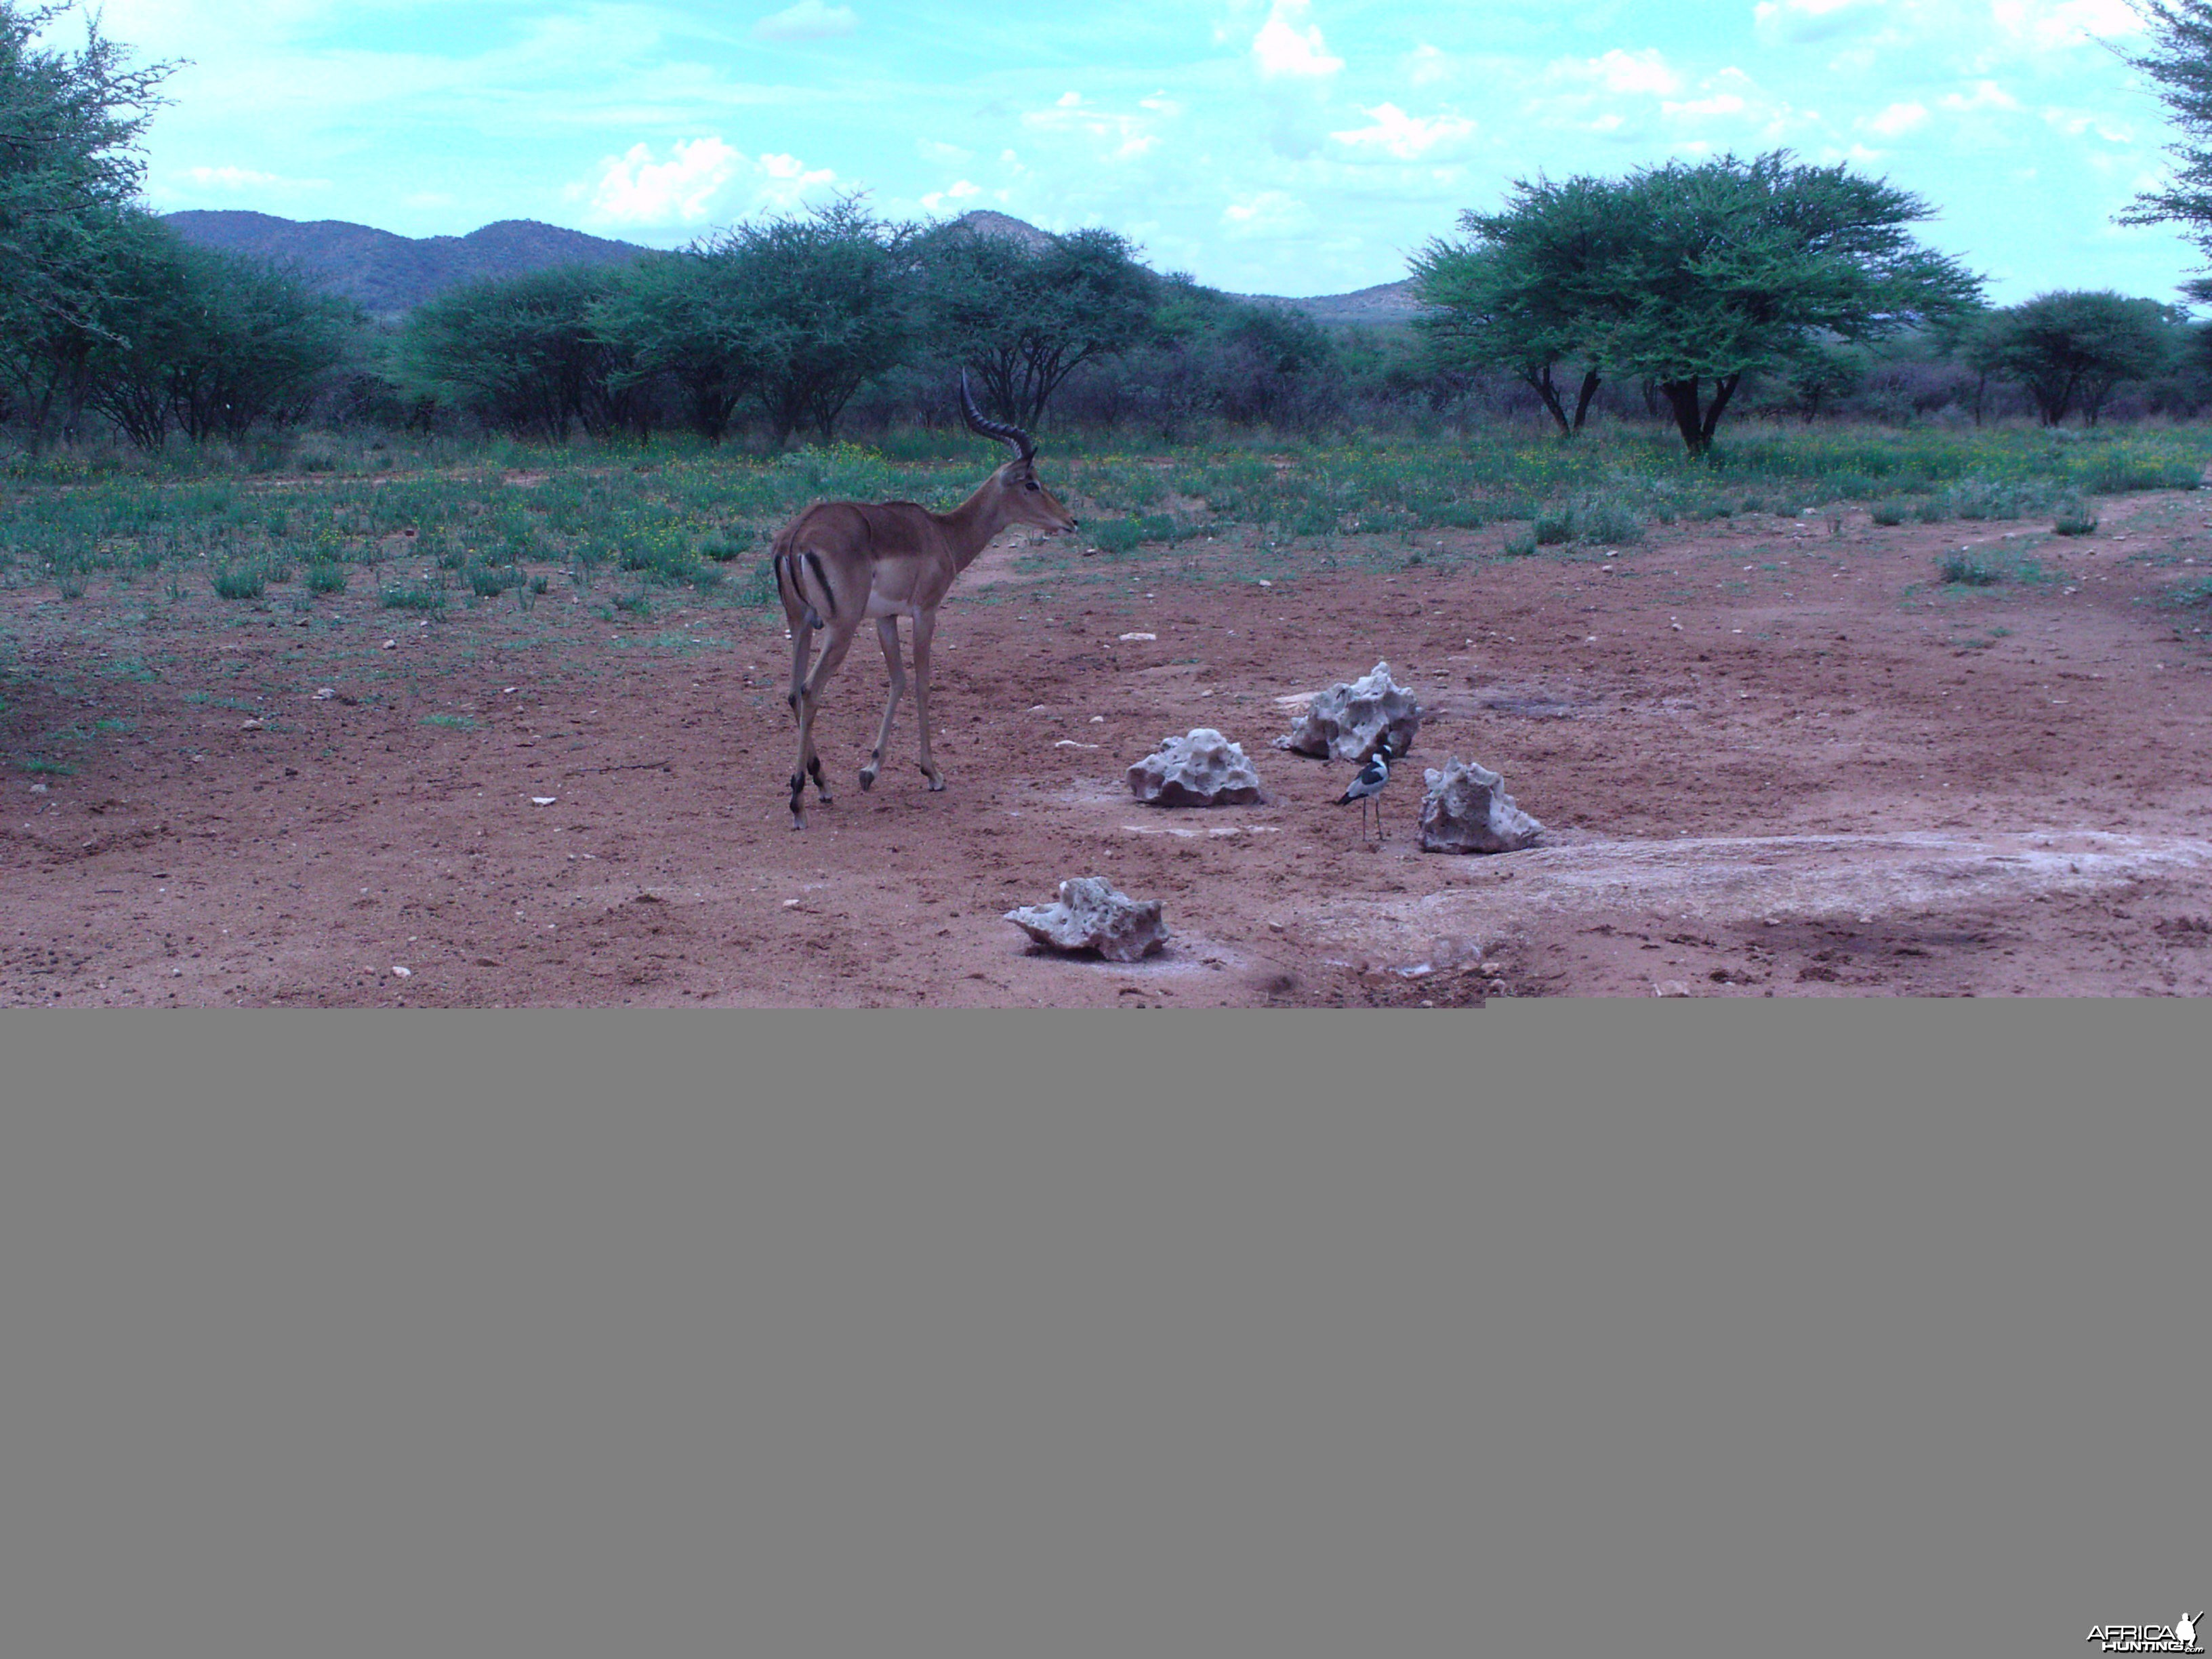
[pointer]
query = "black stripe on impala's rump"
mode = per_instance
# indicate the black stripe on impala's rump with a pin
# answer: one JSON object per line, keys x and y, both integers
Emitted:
{"x": 814, "y": 563}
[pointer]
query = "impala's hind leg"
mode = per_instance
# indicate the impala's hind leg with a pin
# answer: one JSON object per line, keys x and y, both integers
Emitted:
{"x": 924, "y": 627}
{"x": 809, "y": 704}
{"x": 802, "y": 644}
{"x": 886, "y": 631}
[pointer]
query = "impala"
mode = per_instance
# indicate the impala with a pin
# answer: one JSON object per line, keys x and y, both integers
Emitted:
{"x": 841, "y": 563}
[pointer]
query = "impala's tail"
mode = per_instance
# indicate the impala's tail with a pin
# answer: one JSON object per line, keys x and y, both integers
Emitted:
{"x": 790, "y": 585}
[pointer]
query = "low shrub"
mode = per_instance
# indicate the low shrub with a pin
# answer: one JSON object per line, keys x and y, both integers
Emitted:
{"x": 1966, "y": 568}
{"x": 248, "y": 581}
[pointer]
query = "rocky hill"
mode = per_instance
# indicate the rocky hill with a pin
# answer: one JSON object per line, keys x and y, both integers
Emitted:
{"x": 390, "y": 274}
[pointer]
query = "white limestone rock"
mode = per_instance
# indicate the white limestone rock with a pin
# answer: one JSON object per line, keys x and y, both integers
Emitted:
{"x": 1092, "y": 916}
{"x": 1346, "y": 722}
{"x": 1199, "y": 768}
{"x": 1466, "y": 809}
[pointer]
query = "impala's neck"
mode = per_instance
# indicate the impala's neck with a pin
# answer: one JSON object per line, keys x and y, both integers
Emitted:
{"x": 969, "y": 526}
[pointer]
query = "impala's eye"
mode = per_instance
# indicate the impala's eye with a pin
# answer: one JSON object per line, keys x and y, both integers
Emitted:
{"x": 1030, "y": 483}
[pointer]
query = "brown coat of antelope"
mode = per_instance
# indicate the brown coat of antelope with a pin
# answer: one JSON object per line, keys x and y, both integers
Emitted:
{"x": 841, "y": 563}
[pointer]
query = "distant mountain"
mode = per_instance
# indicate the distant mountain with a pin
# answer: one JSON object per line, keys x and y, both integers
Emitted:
{"x": 390, "y": 274}
{"x": 985, "y": 223}
{"x": 1385, "y": 304}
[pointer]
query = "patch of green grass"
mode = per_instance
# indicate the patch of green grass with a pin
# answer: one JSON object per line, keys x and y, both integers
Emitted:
{"x": 1119, "y": 536}
{"x": 2076, "y": 519}
{"x": 1890, "y": 512}
{"x": 412, "y": 599}
{"x": 1968, "y": 569}
{"x": 2192, "y": 594}
{"x": 324, "y": 577}
{"x": 50, "y": 768}
{"x": 248, "y": 581}
{"x": 450, "y": 722}
{"x": 130, "y": 668}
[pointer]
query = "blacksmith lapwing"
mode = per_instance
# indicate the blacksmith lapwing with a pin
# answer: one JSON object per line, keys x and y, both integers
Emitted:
{"x": 1367, "y": 786}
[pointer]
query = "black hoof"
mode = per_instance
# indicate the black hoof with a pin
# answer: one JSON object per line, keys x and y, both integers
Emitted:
{"x": 867, "y": 780}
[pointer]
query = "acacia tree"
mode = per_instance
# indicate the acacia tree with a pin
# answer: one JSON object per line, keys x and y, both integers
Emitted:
{"x": 2067, "y": 346}
{"x": 525, "y": 353}
{"x": 1692, "y": 276}
{"x": 670, "y": 316}
{"x": 1025, "y": 318}
{"x": 70, "y": 171}
{"x": 797, "y": 313}
{"x": 2180, "y": 60}
{"x": 1507, "y": 297}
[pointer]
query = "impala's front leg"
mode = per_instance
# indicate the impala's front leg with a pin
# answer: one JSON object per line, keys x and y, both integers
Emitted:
{"x": 809, "y": 704}
{"x": 925, "y": 625}
{"x": 886, "y": 631}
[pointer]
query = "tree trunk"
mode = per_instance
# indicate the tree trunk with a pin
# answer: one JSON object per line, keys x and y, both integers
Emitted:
{"x": 1682, "y": 397}
{"x": 1583, "y": 403}
{"x": 1540, "y": 379}
{"x": 1723, "y": 389}
{"x": 1698, "y": 427}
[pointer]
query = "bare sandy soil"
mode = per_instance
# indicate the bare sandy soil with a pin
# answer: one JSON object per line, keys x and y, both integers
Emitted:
{"x": 1774, "y": 759}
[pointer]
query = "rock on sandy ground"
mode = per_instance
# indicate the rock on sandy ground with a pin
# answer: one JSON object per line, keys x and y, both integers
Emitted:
{"x": 1199, "y": 768}
{"x": 1348, "y": 719}
{"x": 1466, "y": 809}
{"x": 1092, "y": 915}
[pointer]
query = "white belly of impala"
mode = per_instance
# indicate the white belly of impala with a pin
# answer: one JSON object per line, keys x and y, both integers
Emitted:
{"x": 879, "y": 606}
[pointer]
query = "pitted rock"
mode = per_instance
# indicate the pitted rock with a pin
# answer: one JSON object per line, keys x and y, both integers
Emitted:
{"x": 1091, "y": 916}
{"x": 1349, "y": 719}
{"x": 1466, "y": 809}
{"x": 1199, "y": 768}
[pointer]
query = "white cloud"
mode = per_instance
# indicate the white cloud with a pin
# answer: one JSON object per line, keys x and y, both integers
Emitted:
{"x": 958, "y": 191}
{"x": 1798, "y": 22}
{"x": 2079, "y": 123}
{"x": 229, "y": 178}
{"x": 1266, "y": 213}
{"x": 1405, "y": 137}
{"x": 694, "y": 184}
{"x": 1427, "y": 65}
{"x": 1898, "y": 120}
{"x": 1619, "y": 71}
{"x": 2045, "y": 23}
{"x": 1281, "y": 49}
{"x": 1719, "y": 103}
{"x": 1112, "y": 136}
{"x": 810, "y": 20}
{"x": 201, "y": 184}
{"x": 1986, "y": 95}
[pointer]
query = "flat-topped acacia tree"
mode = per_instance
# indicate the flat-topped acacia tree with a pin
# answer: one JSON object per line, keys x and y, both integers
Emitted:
{"x": 1690, "y": 275}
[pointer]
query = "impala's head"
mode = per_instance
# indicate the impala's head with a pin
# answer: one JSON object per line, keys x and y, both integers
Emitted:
{"x": 1023, "y": 497}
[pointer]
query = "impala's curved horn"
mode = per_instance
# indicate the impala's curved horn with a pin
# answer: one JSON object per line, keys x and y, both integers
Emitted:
{"x": 1011, "y": 436}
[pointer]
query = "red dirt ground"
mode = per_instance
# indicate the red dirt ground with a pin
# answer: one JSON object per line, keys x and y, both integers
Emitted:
{"x": 1773, "y": 760}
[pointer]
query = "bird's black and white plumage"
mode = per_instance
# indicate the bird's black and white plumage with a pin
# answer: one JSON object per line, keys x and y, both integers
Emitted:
{"x": 1367, "y": 786}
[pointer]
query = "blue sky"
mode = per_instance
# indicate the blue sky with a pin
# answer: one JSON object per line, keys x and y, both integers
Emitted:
{"x": 1267, "y": 146}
